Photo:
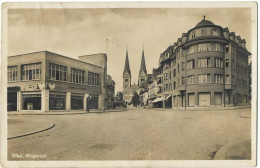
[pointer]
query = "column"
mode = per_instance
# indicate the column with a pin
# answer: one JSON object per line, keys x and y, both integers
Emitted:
{"x": 163, "y": 103}
{"x": 68, "y": 100}
{"x": 85, "y": 102}
{"x": 101, "y": 105}
{"x": 196, "y": 99}
{"x": 19, "y": 101}
{"x": 173, "y": 105}
{"x": 44, "y": 100}
{"x": 212, "y": 98}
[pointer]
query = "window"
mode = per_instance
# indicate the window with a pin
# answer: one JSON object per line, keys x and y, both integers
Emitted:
{"x": 170, "y": 86}
{"x": 93, "y": 79}
{"x": 166, "y": 76}
{"x": 204, "y": 62}
{"x": 77, "y": 76}
{"x": 227, "y": 80}
{"x": 12, "y": 73}
{"x": 183, "y": 66}
{"x": 166, "y": 88}
{"x": 170, "y": 75}
{"x": 126, "y": 80}
{"x": 214, "y": 32}
{"x": 193, "y": 49}
{"x": 178, "y": 54}
{"x": 31, "y": 71}
{"x": 218, "y": 78}
{"x": 174, "y": 73}
{"x": 178, "y": 69}
{"x": 206, "y": 78}
{"x": 193, "y": 34}
{"x": 190, "y": 64}
{"x": 174, "y": 85}
{"x": 203, "y": 32}
{"x": 190, "y": 80}
{"x": 203, "y": 47}
{"x": 227, "y": 63}
{"x": 227, "y": 48}
{"x": 57, "y": 72}
{"x": 183, "y": 81}
{"x": 218, "y": 62}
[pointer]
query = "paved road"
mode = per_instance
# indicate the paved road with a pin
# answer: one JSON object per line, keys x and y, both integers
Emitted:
{"x": 136, "y": 134}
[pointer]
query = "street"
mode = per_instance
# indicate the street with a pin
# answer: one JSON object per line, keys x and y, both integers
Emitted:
{"x": 136, "y": 134}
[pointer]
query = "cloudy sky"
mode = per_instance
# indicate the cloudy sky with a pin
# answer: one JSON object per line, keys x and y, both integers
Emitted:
{"x": 76, "y": 32}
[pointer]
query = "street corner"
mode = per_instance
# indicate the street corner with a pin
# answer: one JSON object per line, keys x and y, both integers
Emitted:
{"x": 240, "y": 150}
{"x": 20, "y": 127}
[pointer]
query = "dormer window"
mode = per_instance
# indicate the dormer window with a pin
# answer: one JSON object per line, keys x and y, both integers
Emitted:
{"x": 214, "y": 32}
{"x": 192, "y": 34}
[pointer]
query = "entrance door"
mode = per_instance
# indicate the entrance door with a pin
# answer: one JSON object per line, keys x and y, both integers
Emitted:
{"x": 93, "y": 102}
{"x": 12, "y": 101}
{"x": 218, "y": 99}
{"x": 204, "y": 99}
{"x": 191, "y": 100}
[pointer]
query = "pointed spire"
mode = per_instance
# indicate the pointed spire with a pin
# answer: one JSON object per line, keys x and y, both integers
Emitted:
{"x": 127, "y": 67}
{"x": 143, "y": 66}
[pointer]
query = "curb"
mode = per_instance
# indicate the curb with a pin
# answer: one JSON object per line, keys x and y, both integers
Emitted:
{"x": 32, "y": 132}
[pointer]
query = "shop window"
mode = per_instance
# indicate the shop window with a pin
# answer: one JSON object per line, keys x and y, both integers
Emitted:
{"x": 77, "y": 76}
{"x": 12, "y": 73}
{"x": 93, "y": 79}
{"x": 57, "y": 72}
{"x": 205, "y": 78}
{"x": 77, "y": 101}
{"x": 31, "y": 101}
{"x": 57, "y": 101}
{"x": 31, "y": 71}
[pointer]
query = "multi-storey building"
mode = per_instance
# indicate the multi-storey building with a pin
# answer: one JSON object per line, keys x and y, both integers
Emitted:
{"x": 207, "y": 66}
{"x": 46, "y": 81}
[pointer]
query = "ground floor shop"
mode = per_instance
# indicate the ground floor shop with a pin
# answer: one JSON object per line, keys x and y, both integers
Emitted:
{"x": 201, "y": 99}
{"x": 46, "y": 100}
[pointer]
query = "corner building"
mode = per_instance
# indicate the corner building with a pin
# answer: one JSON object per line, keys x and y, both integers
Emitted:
{"x": 207, "y": 66}
{"x": 45, "y": 81}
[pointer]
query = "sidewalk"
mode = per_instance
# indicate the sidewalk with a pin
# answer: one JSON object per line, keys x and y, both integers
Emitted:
{"x": 22, "y": 127}
{"x": 61, "y": 112}
{"x": 213, "y": 108}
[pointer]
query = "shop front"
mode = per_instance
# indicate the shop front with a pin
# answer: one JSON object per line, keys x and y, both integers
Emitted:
{"x": 93, "y": 102}
{"x": 77, "y": 101}
{"x": 57, "y": 101}
{"x": 31, "y": 101}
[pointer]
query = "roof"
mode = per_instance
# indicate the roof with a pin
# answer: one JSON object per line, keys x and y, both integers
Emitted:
{"x": 127, "y": 66}
{"x": 204, "y": 22}
{"x": 143, "y": 66}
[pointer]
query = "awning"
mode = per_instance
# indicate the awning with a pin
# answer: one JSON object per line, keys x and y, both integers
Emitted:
{"x": 158, "y": 99}
{"x": 167, "y": 97}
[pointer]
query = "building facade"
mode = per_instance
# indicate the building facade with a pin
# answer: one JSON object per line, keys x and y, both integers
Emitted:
{"x": 207, "y": 66}
{"x": 46, "y": 81}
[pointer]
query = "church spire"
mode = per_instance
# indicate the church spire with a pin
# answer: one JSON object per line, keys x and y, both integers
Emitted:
{"x": 143, "y": 66}
{"x": 127, "y": 67}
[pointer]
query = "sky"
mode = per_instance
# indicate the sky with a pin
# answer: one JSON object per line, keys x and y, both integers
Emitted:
{"x": 76, "y": 32}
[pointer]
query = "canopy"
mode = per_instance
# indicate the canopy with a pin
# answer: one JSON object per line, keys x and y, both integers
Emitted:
{"x": 158, "y": 99}
{"x": 167, "y": 97}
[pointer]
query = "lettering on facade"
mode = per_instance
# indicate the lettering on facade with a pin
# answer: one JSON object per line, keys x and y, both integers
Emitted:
{"x": 204, "y": 85}
{"x": 76, "y": 88}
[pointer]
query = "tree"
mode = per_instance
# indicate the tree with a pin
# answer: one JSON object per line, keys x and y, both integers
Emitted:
{"x": 135, "y": 99}
{"x": 119, "y": 96}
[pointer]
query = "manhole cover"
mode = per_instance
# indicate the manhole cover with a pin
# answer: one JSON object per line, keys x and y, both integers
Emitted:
{"x": 103, "y": 146}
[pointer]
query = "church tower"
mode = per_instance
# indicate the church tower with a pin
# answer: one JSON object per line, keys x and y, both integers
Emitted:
{"x": 142, "y": 78}
{"x": 126, "y": 73}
